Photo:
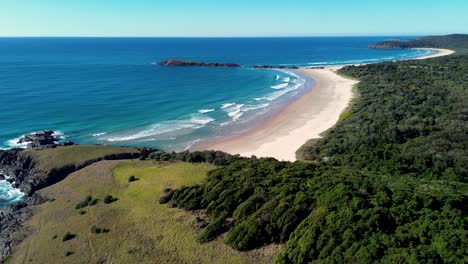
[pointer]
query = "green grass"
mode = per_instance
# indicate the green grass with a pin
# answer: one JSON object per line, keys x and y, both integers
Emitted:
{"x": 59, "y": 157}
{"x": 141, "y": 230}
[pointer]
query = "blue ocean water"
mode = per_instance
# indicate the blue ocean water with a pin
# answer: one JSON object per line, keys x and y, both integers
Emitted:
{"x": 107, "y": 91}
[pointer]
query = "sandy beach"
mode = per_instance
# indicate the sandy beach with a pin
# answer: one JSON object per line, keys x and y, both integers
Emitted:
{"x": 304, "y": 119}
{"x": 440, "y": 53}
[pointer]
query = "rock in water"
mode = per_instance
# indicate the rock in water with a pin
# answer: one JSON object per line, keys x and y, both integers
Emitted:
{"x": 188, "y": 63}
{"x": 40, "y": 139}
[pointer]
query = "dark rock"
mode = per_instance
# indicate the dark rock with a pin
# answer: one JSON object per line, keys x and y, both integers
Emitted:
{"x": 188, "y": 63}
{"x": 40, "y": 139}
{"x": 2, "y": 177}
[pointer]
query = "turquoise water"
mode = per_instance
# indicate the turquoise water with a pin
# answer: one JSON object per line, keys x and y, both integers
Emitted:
{"x": 8, "y": 194}
{"x": 107, "y": 91}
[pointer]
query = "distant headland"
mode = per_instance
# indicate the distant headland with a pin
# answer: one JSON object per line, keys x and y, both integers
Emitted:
{"x": 449, "y": 41}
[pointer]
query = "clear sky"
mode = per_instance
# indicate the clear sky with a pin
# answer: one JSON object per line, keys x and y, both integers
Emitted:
{"x": 232, "y": 18}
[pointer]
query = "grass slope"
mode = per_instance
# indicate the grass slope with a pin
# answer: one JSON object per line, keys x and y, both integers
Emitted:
{"x": 77, "y": 155}
{"x": 141, "y": 230}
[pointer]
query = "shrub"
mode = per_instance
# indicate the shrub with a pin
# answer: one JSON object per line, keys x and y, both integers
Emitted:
{"x": 69, "y": 253}
{"x": 68, "y": 236}
{"x": 109, "y": 199}
{"x": 88, "y": 201}
{"x": 132, "y": 179}
{"x": 99, "y": 230}
{"x": 213, "y": 230}
{"x": 93, "y": 202}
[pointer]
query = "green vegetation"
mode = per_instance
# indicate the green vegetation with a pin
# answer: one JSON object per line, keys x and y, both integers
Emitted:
{"x": 109, "y": 199}
{"x": 217, "y": 158}
{"x": 88, "y": 201}
{"x": 388, "y": 184}
{"x": 68, "y": 236}
{"x": 99, "y": 230}
{"x": 132, "y": 179}
{"x": 141, "y": 229}
{"x": 455, "y": 41}
{"x": 55, "y": 158}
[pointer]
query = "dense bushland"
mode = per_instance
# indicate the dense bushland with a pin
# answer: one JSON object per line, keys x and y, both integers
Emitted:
{"x": 412, "y": 120}
{"x": 388, "y": 184}
{"x": 454, "y": 41}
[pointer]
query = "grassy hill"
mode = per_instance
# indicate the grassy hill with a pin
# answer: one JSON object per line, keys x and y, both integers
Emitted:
{"x": 78, "y": 155}
{"x": 140, "y": 230}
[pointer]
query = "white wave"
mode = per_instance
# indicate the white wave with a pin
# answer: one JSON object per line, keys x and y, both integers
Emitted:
{"x": 227, "y": 105}
{"x": 195, "y": 122}
{"x": 234, "y": 110}
{"x": 277, "y": 77}
{"x": 190, "y": 144}
{"x": 8, "y": 194}
{"x": 237, "y": 115}
{"x": 287, "y": 79}
{"x": 13, "y": 143}
{"x": 254, "y": 107}
{"x": 278, "y": 94}
{"x": 260, "y": 98}
{"x": 318, "y": 63}
{"x": 201, "y": 120}
{"x": 99, "y": 134}
{"x": 280, "y": 86}
{"x": 203, "y": 111}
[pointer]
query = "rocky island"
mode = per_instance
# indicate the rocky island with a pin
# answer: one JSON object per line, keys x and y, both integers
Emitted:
{"x": 188, "y": 63}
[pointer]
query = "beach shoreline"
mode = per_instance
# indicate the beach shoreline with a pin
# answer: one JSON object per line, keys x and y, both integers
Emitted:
{"x": 304, "y": 119}
{"x": 439, "y": 53}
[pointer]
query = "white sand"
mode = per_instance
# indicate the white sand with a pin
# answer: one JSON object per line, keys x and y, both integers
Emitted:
{"x": 304, "y": 119}
{"x": 440, "y": 53}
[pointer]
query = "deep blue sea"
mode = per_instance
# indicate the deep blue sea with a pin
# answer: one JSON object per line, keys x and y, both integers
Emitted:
{"x": 107, "y": 91}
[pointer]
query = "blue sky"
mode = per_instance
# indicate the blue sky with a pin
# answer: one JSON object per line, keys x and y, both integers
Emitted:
{"x": 231, "y": 18}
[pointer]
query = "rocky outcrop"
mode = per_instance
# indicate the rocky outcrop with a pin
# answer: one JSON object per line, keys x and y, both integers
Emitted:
{"x": 188, "y": 63}
{"x": 11, "y": 220}
{"x": 42, "y": 140}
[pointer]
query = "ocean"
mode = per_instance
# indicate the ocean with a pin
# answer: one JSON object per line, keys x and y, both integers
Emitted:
{"x": 108, "y": 91}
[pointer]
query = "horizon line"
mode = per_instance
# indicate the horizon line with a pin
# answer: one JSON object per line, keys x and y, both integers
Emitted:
{"x": 279, "y": 36}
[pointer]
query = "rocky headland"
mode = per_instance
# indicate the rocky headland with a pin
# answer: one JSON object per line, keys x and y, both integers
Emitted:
{"x": 25, "y": 172}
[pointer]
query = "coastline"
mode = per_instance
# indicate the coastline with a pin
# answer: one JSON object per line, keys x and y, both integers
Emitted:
{"x": 439, "y": 53}
{"x": 304, "y": 119}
